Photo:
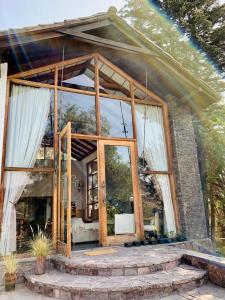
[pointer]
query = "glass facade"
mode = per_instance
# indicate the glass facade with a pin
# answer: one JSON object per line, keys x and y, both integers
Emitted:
{"x": 112, "y": 113}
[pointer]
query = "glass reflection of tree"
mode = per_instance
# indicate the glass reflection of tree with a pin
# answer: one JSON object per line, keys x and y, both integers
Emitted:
{"x": 82, "y": 121}
{"x": 118, "y": 185}
{"x": 152, "y": 199}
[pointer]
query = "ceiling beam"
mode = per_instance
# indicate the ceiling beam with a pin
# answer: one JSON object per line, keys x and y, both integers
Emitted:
{"x": 106, "y": 42}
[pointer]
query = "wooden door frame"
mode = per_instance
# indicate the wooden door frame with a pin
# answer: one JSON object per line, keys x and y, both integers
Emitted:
{"x": 104, "y": 239}
{"x": 66, "y": 247}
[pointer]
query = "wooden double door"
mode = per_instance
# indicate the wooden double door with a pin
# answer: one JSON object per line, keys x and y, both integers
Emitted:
{"x": 118, "y": 194}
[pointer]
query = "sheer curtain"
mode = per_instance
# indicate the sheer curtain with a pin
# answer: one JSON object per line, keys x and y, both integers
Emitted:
{"x": 151, "y": 142}
{"x": 28, "y": 115}
{"x": 3, "y": 83}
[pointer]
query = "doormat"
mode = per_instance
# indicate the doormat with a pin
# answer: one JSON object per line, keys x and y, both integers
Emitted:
{"x": 101, "y": 252}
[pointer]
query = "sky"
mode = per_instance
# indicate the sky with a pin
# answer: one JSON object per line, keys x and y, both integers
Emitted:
{"x": 20, "y": 13}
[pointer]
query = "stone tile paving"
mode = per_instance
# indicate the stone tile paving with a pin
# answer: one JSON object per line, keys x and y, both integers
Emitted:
{"x": 207, "y": 292}
{"x": 125, "y": 256}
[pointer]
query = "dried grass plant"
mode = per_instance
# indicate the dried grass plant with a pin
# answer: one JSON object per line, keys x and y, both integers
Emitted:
{"x": 10, "y": 264}
{"x": 41, "y": 245}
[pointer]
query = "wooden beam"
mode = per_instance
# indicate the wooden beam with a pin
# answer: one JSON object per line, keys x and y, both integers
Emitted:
{"x": 87, "y": 143}
{"x": 30, "y": 170}
{"x": 135, "y": 170}
{"x": 105, "y": 42}
{"x": 16, "y": 39}
{"x": 52, "y": 66}
{"x": 98, "y": 137}
{"x": 7, "y": 104}
{"x": 67, "y": 73}
{"x": 97, "y": 100}
{"x": 50, "y": 86}
{"x": 77, "y": 154}
{"x": 92, "y": 26}
{"x": 114, "y": 97}
{"x": 79, "y": 146}
{"x": 56, "y": 151}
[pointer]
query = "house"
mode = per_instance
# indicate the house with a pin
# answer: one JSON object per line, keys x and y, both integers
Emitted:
{"x": 97, "y": 142}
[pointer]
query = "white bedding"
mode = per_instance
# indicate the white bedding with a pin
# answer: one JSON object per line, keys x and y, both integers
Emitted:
{"x": 84, "y": 232}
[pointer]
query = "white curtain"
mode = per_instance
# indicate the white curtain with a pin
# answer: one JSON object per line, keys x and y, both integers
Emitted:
{"x": 3, "y": 82}
{"x": 151, "y": 143}
{"x": 28, "y": 115}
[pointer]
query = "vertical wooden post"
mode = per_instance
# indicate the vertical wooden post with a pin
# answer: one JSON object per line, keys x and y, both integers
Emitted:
{"x": 68, "y": 232}
{"x": 55, "y": 177}
{"x": 4, "y": 149}
{"x": 97, "y": 100}
{"x": 134, "y": 124}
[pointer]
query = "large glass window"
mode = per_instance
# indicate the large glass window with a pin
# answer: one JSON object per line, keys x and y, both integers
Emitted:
{"x": 158, "y": 212}
{"x": 119, "y": 190}
{"x": 30, "y": 127}
{"x": 116, "y": 118}
{"x": 78, "y": 109}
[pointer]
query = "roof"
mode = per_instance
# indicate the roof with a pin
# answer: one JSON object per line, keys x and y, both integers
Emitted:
{"x": 136, "y": 42}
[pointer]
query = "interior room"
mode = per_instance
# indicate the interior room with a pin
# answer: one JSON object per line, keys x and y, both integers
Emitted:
{"x": 84, "y": 194}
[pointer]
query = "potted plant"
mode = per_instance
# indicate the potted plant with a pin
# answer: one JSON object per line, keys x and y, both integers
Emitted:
{"x": 10, "y": 272}
{"x": 41, "y": 246}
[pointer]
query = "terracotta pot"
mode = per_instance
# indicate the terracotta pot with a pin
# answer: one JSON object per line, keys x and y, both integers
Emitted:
{"x": 40, "y": 265}
{"x": 10, "y": 281}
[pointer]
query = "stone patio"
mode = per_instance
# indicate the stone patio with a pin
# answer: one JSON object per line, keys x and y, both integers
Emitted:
{"x": 145, "y": 272}
{"x": 207, "y": 292}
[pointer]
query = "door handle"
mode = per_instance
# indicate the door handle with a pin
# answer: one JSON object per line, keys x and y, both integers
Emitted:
{"x": 103, "y": 192}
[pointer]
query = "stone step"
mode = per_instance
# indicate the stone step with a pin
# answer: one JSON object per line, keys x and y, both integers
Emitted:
{"x": 73, "y": 287}
{"x": 124, "y": 262}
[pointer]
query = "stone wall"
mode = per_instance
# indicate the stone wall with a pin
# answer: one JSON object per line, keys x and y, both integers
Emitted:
{"x": 188, "y": 183}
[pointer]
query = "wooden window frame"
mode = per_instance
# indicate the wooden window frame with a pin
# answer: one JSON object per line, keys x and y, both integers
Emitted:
{"x": 154, "y": 101}
{"x": 92, "y": 188}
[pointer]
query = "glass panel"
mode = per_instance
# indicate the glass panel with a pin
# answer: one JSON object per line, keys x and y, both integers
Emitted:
{"x": 79, "y": 110}
{"x": 119, "y": 190}
{"x": 92, "y": 194}
{"x": 34, "y": 208}
{"x": 116, "y": 118}
{"x": 112, "y": 83}
{"x": 63, "y": 191}
{"x": 152, "y": 203}
{"x": 157, "y": 205}
{"x": 45, "y": 154}
{"x": 152, "y": 150}
{"x": 78, "y": 76}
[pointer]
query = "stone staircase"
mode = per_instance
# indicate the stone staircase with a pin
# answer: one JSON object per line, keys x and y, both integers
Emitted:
{"x": 139, "y": 273}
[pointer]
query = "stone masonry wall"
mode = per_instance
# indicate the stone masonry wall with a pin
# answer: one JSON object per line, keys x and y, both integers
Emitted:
{"x": 188, "y": 183}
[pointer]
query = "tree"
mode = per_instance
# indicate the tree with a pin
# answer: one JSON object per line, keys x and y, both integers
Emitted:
{"x": 172, "y": 25}
{"x": 202, "y": 22}
{"x": 211, "y": 127}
